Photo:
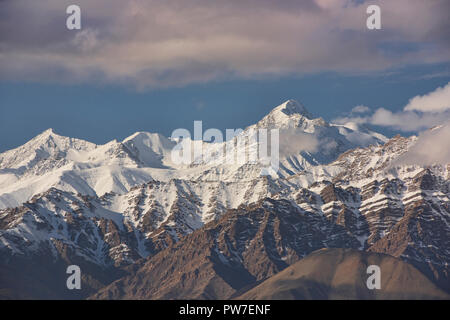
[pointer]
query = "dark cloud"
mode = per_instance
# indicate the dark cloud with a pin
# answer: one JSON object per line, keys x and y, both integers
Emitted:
{"x": 176, "y": 42}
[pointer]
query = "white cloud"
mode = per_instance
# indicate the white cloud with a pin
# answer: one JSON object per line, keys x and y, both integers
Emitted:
{"x": 436, "y": 101}
{"x": 407, "y": 120}
{"x": 432, "y": 147}
{"x": 360, "y": 109}
{"x": 351, "y": 120}
{"x": 292, "y": 141}
{"x": 422, "y": 112}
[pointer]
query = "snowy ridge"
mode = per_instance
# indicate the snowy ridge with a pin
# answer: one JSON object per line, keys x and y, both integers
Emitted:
{"x": 50, "y": 160}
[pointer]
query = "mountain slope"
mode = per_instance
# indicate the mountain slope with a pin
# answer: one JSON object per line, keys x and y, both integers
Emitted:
{"x": 341, "y": 274}
{"x": 243, "y": 246}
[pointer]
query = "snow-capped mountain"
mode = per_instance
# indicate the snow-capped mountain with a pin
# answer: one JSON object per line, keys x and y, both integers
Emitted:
{"x": 110, "y": 207}
{"x": 50, "y": 160}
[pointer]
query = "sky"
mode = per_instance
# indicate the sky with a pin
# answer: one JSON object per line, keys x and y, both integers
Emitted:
{"x": 158, "y": 65}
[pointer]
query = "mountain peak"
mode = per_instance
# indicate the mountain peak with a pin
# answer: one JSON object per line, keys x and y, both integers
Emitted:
{"x": 52, "y": 142}
{"x": 292, "y": 107}
{"x": 47, "y": 133}
{"x": 290, "y": 114}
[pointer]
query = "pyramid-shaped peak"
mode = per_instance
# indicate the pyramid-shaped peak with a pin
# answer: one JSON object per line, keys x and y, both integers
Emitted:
{"x": 290, "y": 114}
{"x": 292, "y": 107}
{"x": 49, "y": 139}
{"x": 46, "y": 134}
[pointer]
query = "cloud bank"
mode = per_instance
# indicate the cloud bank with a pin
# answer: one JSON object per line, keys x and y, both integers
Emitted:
{"x": 157, "y": 43}
{"x": 432, "y": 147}
{"x": 292, "y": 141}
{"x": 360, "y": 109}
{"x": 422, "y": 112}
{"x": 436, "y": 101}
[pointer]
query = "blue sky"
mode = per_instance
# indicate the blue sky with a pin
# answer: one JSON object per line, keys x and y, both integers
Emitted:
{"x": 102, "y": 113}
{"x": 131, "y": 68}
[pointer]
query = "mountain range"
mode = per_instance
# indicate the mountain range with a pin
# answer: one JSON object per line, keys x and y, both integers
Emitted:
{"x": 143, "y": 227}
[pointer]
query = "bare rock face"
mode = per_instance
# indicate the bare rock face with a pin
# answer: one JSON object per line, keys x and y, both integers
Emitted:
{"x": 257, "y": 241}
{"x": 341, "y": 274}
{"x": 245, "y": 245}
